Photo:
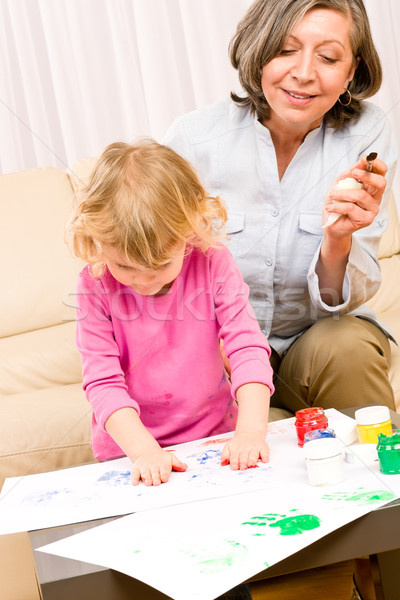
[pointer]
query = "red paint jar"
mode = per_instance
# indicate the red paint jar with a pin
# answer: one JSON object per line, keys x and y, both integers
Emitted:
{"x": 309, "y": 419}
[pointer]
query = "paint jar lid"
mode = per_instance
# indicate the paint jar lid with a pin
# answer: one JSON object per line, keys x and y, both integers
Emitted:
{"x": 371, "y": 415}
{"x": 317, "y": 434}
{"x": 389, "y": 442}
{"x": 346, "y": 431}
{"x": 322, "y": 448}
{"x": 348, "y": 184}
{"x": 310, "y": 414}
{"x": 361, "y": 453}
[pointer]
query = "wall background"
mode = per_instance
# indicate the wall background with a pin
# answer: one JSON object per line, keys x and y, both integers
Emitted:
{"x": 76, "y": 75}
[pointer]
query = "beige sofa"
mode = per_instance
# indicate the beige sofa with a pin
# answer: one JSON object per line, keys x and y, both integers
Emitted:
{"x": 44, "y": 416}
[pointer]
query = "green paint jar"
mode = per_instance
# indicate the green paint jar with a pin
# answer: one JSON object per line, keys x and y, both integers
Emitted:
{"x": 389, "y": 453}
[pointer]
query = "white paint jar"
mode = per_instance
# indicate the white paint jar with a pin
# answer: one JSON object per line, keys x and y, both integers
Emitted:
{"x": 324, "y": 461}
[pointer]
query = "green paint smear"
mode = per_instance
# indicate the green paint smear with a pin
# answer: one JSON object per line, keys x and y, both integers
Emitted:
{"x": 295, "y": 525}
{"x": 361, "y": 498}
{"x": 214, "y": 560}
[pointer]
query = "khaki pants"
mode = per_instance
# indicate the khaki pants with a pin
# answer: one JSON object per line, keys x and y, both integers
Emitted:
{"x": 337, "y": 363}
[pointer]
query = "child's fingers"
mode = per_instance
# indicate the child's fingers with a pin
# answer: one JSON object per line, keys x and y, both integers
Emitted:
{"x": 147, "y": 476}
{"x": 225, "y": 456}
{"x": 234, "y": 462}
{"x": 264, "y": 454}
{"x": 178, "y": 465}
{"x": 135, "y": 476}
{"x": 253, "y": 458}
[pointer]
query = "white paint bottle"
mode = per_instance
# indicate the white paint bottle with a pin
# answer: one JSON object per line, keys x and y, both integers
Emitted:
{"x": 324, "y": 461}
{"x": 344, "y": 184}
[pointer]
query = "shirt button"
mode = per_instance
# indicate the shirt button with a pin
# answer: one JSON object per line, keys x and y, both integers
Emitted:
{"x": 263, "y": 331}
{"x": 268, "y": 262}
{"x": 275, "y": 212}
{"x": 267, "y": 299}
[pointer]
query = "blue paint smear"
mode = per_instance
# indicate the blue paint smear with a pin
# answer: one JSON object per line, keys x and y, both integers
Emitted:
{"x": 116, "y": 478}
{"x": 221, "y": 380}
{"x": 45, "y": 497}
{"x": 212, "y": 455}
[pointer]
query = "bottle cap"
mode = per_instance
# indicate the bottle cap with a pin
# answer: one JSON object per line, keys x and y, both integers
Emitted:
{"x": 348, "y": 184}
{"x": 361, "y": 453}
{"x": 310, "y": 414}
{"x": 317, "y": 434}
{"x": 371, "y": 415}
{"x": 322, "y": 448}
{"x": 389, "y": 442}
{"x": 346, "y": 431}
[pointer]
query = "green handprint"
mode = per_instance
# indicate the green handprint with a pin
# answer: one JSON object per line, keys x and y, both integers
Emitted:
{"x": 295, "y": 525}
{"x": 362, "y": 498}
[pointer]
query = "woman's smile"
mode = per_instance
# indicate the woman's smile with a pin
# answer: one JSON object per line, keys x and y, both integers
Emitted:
{"x": 298, "y": 98}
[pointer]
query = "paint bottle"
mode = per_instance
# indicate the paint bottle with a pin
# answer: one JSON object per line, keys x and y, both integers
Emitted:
{"x": 371, "y": 421}
{"x": 389, "y": 453}
{"x": 317, "y": 434}
{"x": 346, "y": 431}
{"x": 309, "y": 419}
{"x": 324, "y": 461}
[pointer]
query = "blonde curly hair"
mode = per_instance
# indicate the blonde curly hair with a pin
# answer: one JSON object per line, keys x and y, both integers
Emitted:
{"x": 144, "y": 200}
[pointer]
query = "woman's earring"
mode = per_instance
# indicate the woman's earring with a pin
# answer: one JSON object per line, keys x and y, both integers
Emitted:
{"x": 349, "y": 101}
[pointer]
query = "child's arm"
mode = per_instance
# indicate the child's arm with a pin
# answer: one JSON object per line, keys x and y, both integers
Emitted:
{"x": 151, "y": 463}
{"x": 248, "y": 445}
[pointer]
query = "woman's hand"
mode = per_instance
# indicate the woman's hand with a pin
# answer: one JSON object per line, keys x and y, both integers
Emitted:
{"x": 359, "y": 207}
{"x": 154, "y": 467}
{"x": 244, "y": 450}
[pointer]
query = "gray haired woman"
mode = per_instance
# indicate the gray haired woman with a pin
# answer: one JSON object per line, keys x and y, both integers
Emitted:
{"x": 274, "y": 154}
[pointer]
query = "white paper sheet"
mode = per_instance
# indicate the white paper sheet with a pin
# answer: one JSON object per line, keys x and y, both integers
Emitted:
{"x": 202, "y": 549}
{"x": 103, "y": 490}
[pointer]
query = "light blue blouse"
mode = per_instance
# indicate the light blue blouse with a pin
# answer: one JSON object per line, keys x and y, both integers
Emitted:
{"x": 275, "y": 226}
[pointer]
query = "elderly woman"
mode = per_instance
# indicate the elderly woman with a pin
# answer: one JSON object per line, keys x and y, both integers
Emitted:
{"x": 274, "y": 154}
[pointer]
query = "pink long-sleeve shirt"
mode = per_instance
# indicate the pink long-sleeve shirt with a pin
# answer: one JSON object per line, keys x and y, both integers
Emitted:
{"x": 161, "y": 354}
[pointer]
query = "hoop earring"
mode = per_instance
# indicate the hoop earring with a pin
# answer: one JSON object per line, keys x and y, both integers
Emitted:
{"x": 350, "y": 99}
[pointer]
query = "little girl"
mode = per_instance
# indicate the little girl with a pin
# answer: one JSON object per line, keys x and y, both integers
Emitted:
{"x": 159, "y": 293}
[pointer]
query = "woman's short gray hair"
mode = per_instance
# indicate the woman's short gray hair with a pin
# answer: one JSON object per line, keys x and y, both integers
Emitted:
{"x": 262, "y": 33}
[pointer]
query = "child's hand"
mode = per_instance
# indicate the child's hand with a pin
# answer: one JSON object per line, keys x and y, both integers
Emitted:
{"x": 155, "y": 466}
{"x": 244, "y": 450}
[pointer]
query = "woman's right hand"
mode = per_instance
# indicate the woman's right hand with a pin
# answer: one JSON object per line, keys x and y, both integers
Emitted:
{"x": 154, "y": 466}
{"x": 358, "y": 206}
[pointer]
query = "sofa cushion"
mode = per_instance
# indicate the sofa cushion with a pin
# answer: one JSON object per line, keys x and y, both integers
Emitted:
{"x": 39, "y": 359}
{"x": 390, "y": 241}
{"x": 80, "y": 171}
{"x": 386, "y": 304}
{"x": 39, "y": 274}
{"x": 55, "y": 428}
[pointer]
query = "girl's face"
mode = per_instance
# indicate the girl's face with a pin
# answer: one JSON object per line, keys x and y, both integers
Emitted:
{"x": 314, "y": 68}
{"x": 147, "y": 282}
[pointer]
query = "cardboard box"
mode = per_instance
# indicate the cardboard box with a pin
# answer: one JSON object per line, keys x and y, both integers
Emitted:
{"x": 19, "y": 579}
{"x": 18, "y": 576}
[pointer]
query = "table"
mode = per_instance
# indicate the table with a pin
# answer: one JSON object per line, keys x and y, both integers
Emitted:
{"x": 63, "y": 579}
